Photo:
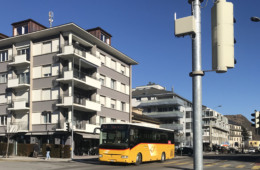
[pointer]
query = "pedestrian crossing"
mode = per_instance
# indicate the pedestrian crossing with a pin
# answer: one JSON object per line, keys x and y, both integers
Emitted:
{"x": 221, "y": 164}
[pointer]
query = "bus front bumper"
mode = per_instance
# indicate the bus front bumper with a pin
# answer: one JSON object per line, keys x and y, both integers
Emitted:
{"x": 114, "y": 158}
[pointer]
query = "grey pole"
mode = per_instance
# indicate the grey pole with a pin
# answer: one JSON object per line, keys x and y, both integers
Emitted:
{"x": 197, "y": 89}
{"x": 72, "y": 110}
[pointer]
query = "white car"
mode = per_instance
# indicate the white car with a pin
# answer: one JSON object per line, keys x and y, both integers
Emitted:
{"x": 251, "y": 150}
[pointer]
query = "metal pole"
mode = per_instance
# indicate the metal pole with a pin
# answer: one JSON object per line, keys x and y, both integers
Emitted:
{"x": 72, "y": 109}
{"x": 197, "y": 89}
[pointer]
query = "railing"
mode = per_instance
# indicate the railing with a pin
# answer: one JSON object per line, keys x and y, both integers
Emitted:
{"x": 169, "y": 101}
{"x": 21, "y": 125}
{"x": 77, "y": 99}
{"x": 173, "y": 113}
{"x": 172, "y": 126}
{"x": 21, "y": 79}
{"x": 77, "y": 49}
{"x": 12, "y": 56}
{"x": 76, "y": 74}
{"x": 234, "y": 129}
{"x": 60, "y": 124}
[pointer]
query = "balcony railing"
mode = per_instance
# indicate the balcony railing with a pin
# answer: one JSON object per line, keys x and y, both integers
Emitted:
{"x": 165, "y": 114}
{"x": 12, "y": 57}
{"x": 170, "y": 101}
{"x": 77, "y": 74}
{"x": 21, "y": 79}
{"x": 235, "y": 129}
{"x": 77, "y": 99}
{"x": 77, "y": 49}
{"x": 172, "y": 126}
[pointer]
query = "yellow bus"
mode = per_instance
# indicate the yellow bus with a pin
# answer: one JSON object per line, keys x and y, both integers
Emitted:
{"x": 134, "y": 143}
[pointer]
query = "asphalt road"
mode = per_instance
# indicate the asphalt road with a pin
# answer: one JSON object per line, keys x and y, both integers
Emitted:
{"x": 211, "y": 162}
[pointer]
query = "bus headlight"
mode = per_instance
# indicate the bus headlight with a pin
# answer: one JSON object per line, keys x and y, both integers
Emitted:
{"x": 124, "y": 157}
{"x": 100, "y": 156}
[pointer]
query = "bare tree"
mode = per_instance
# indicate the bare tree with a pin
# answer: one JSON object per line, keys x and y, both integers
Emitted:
{"x": 10, "y": 130}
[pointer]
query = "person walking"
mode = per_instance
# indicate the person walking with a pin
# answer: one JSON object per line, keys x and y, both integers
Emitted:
{"x": 36, "y": 150}
{"x": 48, "y": 151}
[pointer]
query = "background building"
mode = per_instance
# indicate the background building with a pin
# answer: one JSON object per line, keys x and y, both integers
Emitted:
{"x": 235, "y": 134}
{"x": 53, "y": 76}
{"x": 138, "y": 117}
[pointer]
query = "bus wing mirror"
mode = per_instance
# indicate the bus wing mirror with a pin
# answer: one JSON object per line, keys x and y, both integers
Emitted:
{"x": 95, "y": 130}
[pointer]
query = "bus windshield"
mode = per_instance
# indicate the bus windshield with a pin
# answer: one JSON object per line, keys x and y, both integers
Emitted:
{"x": 114, "y": 137}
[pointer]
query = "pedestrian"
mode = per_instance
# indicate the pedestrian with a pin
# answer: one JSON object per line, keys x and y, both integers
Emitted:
{"x": 36, "y": 150}
{"x": 48, "y": 151}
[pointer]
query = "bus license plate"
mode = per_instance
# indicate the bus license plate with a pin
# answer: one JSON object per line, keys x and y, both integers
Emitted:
{"x": 112, "y": 160}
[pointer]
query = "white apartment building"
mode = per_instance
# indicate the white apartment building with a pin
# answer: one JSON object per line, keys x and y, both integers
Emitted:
{"x": 63, "y": 74}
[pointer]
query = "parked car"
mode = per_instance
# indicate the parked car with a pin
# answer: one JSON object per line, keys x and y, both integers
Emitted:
{"x": 185, "y": 150}
{"x": 251, "y": 150}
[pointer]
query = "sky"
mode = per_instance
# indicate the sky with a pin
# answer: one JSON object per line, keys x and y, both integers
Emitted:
{"x": 144, "y": 30}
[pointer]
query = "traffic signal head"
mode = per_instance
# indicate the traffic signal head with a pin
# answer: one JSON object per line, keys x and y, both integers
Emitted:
{"x": 68, "y": 126}
{"x": 255, "y": 119}
{"x": 222, "y": 31}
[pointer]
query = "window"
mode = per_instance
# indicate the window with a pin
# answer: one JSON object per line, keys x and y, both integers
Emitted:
{"x": 113, "y": 104}
{"x": 104, "y": 38}
{"x": 122, "y": 88}
{"x": 149, "y": 110}
{"x": 113, "y": 84}
{"x": 23, "y": 51}
{"x": 102, "y": 80}
{"x": 102, "y": 101}
{"x": 113, "y": 64}
{"x": 113, "y": 120}
{"x": 47, "y": 47}
{"x": 46, "y": 70}
{"x": 123, "y": 106}
{"x": 46, "y": 94}
{"x": 3, "y": 56}
{"x": 3, "y": 120}
{"x": 46, "y": 117}
{"x": 123, "y": 69}
{"x": 102, "y": 120}
{"x": 149, "y": 98}
{"x": 3, "y": 78}
{"x": 138, "y": 99}
{"x": 22, "y": 30}
{"x": 103, "y": 58}
{"x": 122, "y": 120}
{"x": 170, "y": 108}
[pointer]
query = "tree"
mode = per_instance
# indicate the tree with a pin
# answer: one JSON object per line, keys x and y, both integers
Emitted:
{"x": 10, "y": 130}
{"x": 245, "y": 134}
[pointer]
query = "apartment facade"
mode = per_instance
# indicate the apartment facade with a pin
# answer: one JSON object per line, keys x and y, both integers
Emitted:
{"x": 215, "y": 129}
{"x": 59, "y": 75}
{"x": 235, "y": 135}
{"x": 174, "y": 111}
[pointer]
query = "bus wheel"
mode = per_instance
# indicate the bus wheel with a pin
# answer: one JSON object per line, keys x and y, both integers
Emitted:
{"x": 138, "y": 159}
{"x": 163, "y": 157}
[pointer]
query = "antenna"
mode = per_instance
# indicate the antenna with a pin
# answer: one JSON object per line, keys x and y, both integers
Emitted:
{"x": 51, "y": 15}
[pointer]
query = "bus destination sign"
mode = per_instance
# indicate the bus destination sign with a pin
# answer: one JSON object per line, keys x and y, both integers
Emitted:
{"x": 114, "y": 127}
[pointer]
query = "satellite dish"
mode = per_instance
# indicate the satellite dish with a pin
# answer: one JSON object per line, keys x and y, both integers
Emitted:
{"x": 51, "y": 15}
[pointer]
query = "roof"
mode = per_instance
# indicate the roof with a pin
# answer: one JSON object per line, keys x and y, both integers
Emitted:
{"x": 20, "y": 22}
{"x": 99, "y": 28}
{"x": 145, "y": 118}
{"x": 66, "y": 28}
{"x": 136, "y": 124}
{"x": 233, "y": 123}
{"x": 3, "y": 36}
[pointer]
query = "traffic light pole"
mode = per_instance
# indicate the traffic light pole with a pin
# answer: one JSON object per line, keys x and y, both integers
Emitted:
{"x": 197, "y": 88}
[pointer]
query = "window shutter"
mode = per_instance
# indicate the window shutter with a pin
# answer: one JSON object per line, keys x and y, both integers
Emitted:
{"x": 122, "y": 88}
{"x": 46, "y": 94}
{"x": 46, "y": 70}
{"x": 122, "y": 69}
{"x": 113, "y": 102}
{"x": 113, "y": 64}
{"x": 47, "y": 47}
{"x": 102, "y": 57}
{"x": 102, "y": 100}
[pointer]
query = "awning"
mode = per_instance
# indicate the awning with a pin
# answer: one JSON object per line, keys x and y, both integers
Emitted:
{"x": 88, "y": 135}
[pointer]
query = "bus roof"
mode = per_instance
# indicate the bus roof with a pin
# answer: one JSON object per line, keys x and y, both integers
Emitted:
{"x": 137, "y": 124}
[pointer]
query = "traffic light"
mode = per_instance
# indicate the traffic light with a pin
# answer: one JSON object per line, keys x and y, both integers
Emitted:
{"x": 255, "y": 119}
{"x": 68, "y": 126}
{"x": 222, "y": 34}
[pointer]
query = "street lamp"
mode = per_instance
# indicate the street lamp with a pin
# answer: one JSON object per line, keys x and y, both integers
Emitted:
{"x": 255, "y": 19}
{"x": 217, "y": 106}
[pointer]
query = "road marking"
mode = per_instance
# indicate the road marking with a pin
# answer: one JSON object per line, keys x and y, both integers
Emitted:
{"x": 182, "y": 163}
{"x": 256, "y": 167}
{"x": 240, "y": 166}
{"x": 226, "y": 165}
{"x": 215, "y": 163}
{"x": 170, "y": 162}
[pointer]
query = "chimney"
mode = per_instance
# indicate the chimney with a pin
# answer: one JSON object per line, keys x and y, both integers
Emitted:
{"x": 100, "y": 34}
{"x": 172, "y": 88}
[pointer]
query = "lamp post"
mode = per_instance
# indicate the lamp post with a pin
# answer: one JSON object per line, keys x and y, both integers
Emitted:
{"x": 217, "y": 106}
{"x": 180, "y": 134}
{"x": 255, "y": 19}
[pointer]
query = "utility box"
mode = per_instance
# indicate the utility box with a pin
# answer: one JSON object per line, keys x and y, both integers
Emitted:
{"x": 222, "y": 31}
{"x": 185, "y": 26}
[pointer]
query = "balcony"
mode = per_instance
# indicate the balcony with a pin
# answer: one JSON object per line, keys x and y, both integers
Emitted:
{"x": 160, "y": 102}
{"x": 216, "y": 125}
{"x": 19, "y": 105}
{"x": 20, "y": 60}
{"x": 20, "y": 126}
{"x": 235, "y": 129}
{"x": 21, "y": 82}
{"x": 67, "y": 51}
{"x": 81, "y": 80}
{"x": 172, "y": 126}
{"x": 176, "y": 114}
{"x": 80, "y": 103}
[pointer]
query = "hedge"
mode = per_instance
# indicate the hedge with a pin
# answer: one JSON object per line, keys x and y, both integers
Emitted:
{"x": 57, "y": 151}
{"x": 3, "y": 148}
{"x": 25, "y": 149}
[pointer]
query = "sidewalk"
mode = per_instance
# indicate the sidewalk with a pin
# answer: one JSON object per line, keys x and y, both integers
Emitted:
{"x": 31, "y": 159}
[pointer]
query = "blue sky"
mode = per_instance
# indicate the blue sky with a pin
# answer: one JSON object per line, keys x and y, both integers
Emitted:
{"x": 144, "y": 30}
